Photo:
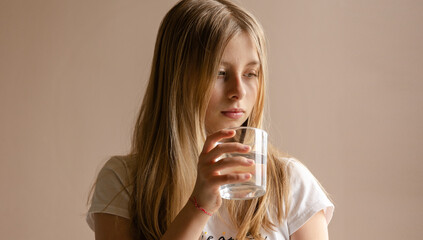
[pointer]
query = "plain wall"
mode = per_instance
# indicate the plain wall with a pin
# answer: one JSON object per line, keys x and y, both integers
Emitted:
{"x": 346, "y": 94}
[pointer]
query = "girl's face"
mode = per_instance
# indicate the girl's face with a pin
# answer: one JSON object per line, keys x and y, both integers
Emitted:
{"x": 235, "y": 89}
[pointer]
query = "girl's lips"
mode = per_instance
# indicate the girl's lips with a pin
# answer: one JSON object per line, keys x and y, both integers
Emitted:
{"x": 234, "y": 114}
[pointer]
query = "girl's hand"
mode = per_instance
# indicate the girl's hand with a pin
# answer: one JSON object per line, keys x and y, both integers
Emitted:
{"x": 206, "y": 189}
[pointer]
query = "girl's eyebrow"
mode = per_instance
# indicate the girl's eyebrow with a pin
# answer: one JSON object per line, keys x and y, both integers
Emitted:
{"x": 252, "y": 63}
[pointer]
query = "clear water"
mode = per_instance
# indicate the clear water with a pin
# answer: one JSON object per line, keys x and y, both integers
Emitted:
{"x": 255, "y": 187}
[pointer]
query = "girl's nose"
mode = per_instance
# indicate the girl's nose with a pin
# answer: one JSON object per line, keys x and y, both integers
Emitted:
{"x": 235, "y": 87}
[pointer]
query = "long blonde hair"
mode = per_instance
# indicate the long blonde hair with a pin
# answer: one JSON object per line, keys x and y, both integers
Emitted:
{"x": 170, "y": 131}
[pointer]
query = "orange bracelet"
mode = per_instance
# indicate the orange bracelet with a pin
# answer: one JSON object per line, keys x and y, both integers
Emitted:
{"x": 194, "y": 200}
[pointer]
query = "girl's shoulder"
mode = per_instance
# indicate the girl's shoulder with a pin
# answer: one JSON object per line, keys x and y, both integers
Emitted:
{"x": 116, "y": 173}
{"x": 122, "y": 166}
{"x": 295, "y": 168}
{"x": 113, "y": 188}
{"x": 287, "y": 160}
{"x": 307, "y": 195}
{"x": 121, "y": 162}
{"x": 298, "y": 173}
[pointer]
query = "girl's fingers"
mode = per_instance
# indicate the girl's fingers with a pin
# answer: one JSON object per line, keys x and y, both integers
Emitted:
{"x": 227, "y": 148}
{"x": 232, "y": 178}
{"x": 231, "y": 170}
{"x": 212, "y": 173}
{"x": 212, "y": 140}
{"x": 233, "y": 163}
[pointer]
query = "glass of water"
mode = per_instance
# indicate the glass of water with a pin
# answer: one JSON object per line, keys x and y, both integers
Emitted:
{"x": 256, "y": 186}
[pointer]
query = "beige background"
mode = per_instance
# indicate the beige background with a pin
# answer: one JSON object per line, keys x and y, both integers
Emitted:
{"x": 345, "y": 93}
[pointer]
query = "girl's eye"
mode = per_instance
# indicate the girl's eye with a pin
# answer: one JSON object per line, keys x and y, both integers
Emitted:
{"x": 251, "y": 75}
{"x": 221, "y": 74}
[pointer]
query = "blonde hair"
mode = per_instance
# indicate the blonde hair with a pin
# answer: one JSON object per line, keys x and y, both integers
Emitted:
{"x": 170, "y": 132}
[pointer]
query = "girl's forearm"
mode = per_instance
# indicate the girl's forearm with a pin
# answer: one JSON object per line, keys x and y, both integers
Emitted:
{"x": 189, "y": 224}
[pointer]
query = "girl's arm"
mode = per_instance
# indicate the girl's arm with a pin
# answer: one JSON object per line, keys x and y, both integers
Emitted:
{"x": 110, "y": 227}
{"x": 190, "y": 221}
{"x": 315, "y": 228}
{"x": 187, "y": 225}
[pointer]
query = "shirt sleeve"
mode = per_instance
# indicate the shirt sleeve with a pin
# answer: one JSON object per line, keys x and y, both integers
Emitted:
{"x": 307, "y": 197}
{"x": 112, "y": 191}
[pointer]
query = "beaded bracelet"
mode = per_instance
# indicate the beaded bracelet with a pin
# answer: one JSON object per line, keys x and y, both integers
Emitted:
{"x": 194, "y": 200}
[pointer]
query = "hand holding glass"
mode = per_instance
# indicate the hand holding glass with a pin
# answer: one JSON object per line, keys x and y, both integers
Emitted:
{"x": 256, "y": 185}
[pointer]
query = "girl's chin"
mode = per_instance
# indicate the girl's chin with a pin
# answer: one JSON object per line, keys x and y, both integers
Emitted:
{"x": 220, "y": 127}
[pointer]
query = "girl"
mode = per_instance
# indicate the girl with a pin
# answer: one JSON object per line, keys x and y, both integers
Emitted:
{"x": 208, "y": 75}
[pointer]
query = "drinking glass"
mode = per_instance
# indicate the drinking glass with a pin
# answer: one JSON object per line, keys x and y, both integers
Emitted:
{"x": 256, "y": 185}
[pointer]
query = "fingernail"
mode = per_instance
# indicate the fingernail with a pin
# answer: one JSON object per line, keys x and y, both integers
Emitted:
{"x": 250, "y": 161}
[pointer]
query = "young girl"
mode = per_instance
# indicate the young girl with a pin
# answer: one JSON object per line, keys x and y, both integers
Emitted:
{"x": 208, "y": 75}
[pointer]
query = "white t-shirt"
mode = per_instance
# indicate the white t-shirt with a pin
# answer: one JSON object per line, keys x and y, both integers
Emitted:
{"x": 113, "y": 189}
